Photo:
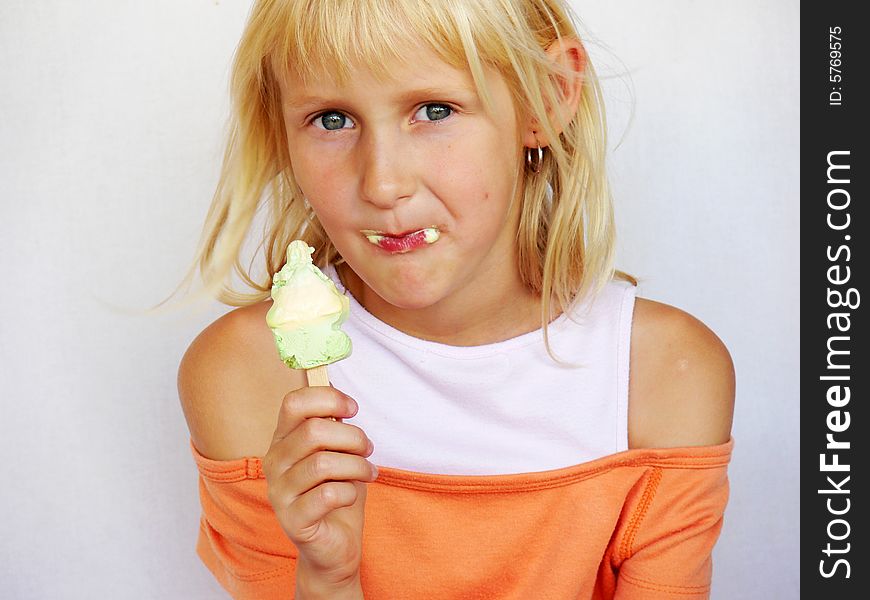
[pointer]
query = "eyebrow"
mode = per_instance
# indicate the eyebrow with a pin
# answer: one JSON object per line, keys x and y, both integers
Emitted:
{"x": 408, "y": 96}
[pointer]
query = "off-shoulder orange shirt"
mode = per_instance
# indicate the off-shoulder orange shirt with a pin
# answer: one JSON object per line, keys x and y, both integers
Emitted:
{"x": 637, "y": 525}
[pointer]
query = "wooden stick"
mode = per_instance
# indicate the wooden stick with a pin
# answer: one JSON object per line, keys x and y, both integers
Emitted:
{"x": 318, "y": 377}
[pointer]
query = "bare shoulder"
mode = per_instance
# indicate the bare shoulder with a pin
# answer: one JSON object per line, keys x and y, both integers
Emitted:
{"x": 231, "y": 383}
{"x": 681, "y": 384}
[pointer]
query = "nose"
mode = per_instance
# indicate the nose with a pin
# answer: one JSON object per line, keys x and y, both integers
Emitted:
{"x": 387, "y": 174}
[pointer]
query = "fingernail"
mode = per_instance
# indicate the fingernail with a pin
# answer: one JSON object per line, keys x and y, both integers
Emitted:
{"x": 354, "y": 407}
{"x": 374, "y": 471}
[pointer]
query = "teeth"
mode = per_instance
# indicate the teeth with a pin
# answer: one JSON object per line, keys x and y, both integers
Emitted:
{"x": 430, "y": 235}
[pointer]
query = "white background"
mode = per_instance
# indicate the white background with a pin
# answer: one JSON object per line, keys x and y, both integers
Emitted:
{"x": 111, "y": 119}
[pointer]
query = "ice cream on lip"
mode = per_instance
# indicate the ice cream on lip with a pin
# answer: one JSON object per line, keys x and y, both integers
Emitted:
{"x": 307, "y": 312}
{"x": 402, "y": 243}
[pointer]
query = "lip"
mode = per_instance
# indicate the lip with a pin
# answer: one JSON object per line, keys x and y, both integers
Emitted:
{"x": 400, "y": 243}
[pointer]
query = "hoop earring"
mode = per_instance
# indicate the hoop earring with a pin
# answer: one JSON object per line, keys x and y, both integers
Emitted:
{"x": 534, "y": 166}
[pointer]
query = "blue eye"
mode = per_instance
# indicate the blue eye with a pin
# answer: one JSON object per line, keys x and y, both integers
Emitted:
{"x": 435, "y": 112}
{"x": 331, "y": 121}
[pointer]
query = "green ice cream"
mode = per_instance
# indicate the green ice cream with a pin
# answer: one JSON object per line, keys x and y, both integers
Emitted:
{"x": 307, "y": 312}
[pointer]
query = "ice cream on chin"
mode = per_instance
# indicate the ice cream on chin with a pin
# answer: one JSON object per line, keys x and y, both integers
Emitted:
{"x": 307, "y": 312}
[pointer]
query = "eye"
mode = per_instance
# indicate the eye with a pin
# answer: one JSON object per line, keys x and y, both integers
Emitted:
{"x": 433, "y": 112}
{"x": 331, "y": 121}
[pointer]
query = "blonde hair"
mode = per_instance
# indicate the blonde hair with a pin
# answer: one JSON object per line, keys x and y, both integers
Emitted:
{"x": 565, "y": 242}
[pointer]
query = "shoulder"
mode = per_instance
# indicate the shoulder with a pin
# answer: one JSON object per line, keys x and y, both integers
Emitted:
{"x": 231, "y": 383}
{"x": 681, "y": 384}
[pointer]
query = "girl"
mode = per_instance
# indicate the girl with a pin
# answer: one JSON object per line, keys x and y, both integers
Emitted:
{"x": 446, "y": 160}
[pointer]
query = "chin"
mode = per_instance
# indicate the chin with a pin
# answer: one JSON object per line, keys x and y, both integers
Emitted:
{"x": 407, "y": 300}
{"x": 407, "y": 287}
{"x": 409, "y": 281}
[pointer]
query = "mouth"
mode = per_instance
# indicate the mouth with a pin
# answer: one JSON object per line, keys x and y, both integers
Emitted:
{"x": 399, "y": 243}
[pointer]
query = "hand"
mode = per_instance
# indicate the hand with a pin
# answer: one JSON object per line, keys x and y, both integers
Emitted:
{"x": 317, "y": 477}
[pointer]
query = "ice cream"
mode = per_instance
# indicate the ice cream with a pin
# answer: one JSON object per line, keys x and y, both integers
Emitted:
{"x": 307, "y": 313}
{"x": 399, "y": 244}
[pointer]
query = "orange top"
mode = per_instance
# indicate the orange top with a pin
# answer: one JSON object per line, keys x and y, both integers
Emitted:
{"x": 640, "y": 524}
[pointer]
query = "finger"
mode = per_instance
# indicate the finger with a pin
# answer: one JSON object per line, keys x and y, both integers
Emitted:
{"x": 327, "y": 466}
{"x": 312, "y": 507}
{"x": 309, "y": 402}
{"x": 314, "y": 435}
{"x": 305, "y": 477}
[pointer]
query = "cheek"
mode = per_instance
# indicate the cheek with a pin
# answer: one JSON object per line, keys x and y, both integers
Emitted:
{"x": 480, "y": 182}
{"x": 322, "y": 184}
{"x": 312, "y": 174}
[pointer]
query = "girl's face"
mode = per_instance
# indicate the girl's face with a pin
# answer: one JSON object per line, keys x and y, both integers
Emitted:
{"x": 378, "y": 159}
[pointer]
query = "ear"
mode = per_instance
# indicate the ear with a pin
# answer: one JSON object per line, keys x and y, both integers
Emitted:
{"x": 571, "y": 56}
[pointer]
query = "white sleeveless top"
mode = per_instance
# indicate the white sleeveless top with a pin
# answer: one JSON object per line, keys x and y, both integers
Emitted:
{"x": 494, "y": 409}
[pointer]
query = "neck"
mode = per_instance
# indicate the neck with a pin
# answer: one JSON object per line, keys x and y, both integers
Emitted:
{"x": 478, "y": 315}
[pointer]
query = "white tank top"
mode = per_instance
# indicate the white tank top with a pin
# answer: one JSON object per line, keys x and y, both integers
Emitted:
{"x": 494, "y": 409}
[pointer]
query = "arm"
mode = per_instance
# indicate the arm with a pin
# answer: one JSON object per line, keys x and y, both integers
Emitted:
{"x": 223, "y": 387}
{"x": 666, "y": 549}
{"x": 682, "y": 382}
{"x": 681, "y": 391}
{"x": 231, "y": 384}
{"x": 310, "y": 589}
